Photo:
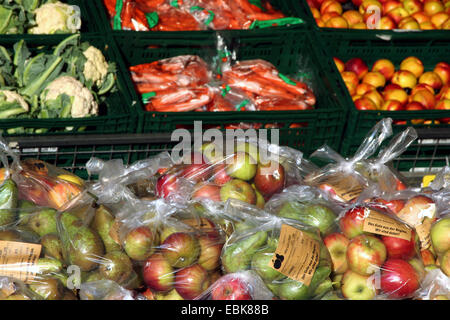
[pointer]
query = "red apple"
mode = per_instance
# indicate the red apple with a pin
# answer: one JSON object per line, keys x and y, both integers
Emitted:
{"x": 337, "y": 244}
{"x": 358, "y": 66}
{"x": 238, "y": 189}
{"x": 181, "y": 249}
{"x": 191, "y": 281}
{"x": 230, "y": 287}
{"x": 352, "y": 222}
{"x": 206, "y": 190}
{"x": 399, "y": 248}
{"x": 394, "y": 205}
{"x": 270, "y": 178}
{"x": 398, "y": 279}
{"x": 157, "y": 273}
{"x": 196, "y": 172}
{"x": 365, "y": 254}
{"x": 210, "y": 250}
{"x": 167, "y": 185}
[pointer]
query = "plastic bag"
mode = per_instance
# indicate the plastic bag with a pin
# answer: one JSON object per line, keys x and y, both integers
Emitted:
{"x": 307, "y": 205}
{"x": 442, "y": 179}
{"x": 300, "y": 263}
{"x": 376, "y": 255}
{"x": 106, "y": 290}
{"x": 13, "y": 289}
{"x": 435, "y": 286}
{"x": 252, "y": 171}
{"x": 340, "y": 180}
{"x": 243, "y": 285}
{"x": 376, "y": 169}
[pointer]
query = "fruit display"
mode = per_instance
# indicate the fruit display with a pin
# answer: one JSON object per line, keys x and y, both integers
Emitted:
{"x": 38, "y": 17}
{"x": 165, "y": 15}
{"x": 409, "y": 86}
{"x": 382, "y": 14}
{"x": 185, "y": 83}
{"x": 70, "y": 80}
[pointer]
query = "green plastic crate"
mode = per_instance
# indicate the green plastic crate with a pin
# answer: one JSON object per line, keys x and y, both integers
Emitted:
{"x": 285, "y": 6}
{"x": 118, "y": 112}
{"x": 324, "y": 124}
{"x": 430, "y": 50}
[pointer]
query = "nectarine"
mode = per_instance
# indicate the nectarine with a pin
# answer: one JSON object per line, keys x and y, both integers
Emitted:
{"x": 432, "y": 7}
{"x": 365, "y": 104}
{"x": 363, "y": 88}
{"x": 331, "y": 6}
{"x": 425, "y": 98}
{"x": 336, "y": 22}
{"x": 385, "y": 67}
{"x": 404, "y": 79}
{"x": 443, "y": 71}
{"x": 339, "y": 64}
{"x": 358, "y": 66}
{"x": 352, "y": 17}
{"x": 375, "y": 79}
{"x": 432, "y": 79}
{"x": 395, "y": 94}
{"x": 413, "y": 65}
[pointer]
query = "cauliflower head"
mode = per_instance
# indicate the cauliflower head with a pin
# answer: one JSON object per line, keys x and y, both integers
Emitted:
{"x": 12, "y": 96}
{"x": 96, "y": 67}
{"x": 56, "y": 17}
{"x": 83, "y": 105}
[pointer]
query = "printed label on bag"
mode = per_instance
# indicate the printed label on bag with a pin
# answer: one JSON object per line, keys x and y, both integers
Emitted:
{"x": 17, "y": 260}
{"x": 347, "y": 188}
{"x": 383, "y": 225}
{"x": 423, "y": 231}
{"x": 297, "y": 255}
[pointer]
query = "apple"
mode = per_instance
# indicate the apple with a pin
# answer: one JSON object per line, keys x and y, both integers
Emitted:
{"x": 404, "y": 78}
{"x": 181, "y": 249}
{"x": 425, "y": 98}
{"x": 413, "y": 65}
{"x": 386, "y": 23}
{"x": 398, "y": 14}
{"x": 398, "y": 279}
{"x": 358, "y": 66}
{"x": 375, "y": 79}
{"x": 443, "y": 71}
{"x": 251, "y": 148}
{"x": 417, "y": 264}
{"x": 444, "y": 263}
{"x": 220, "y": 176}
{"x": 238, "y": 189}
{"x": 376, "y": 98}
{"x": 440, "y": 235}
{"x": 432, "y": 79}
{"x": 339, "y": 64}
{"x": 358, "y": 287}
{"x": 365, "y": 104}
{"x": 331, "y": 6}
{"x": 206, "y": 190}
{"x": 270, "y": 178}
{"x": 352, "y": 222}
{"x": 443, "y": 105}
{"x": 408, "y": 23}
{"x": 210, "y": 251}
{"x": 206, "y": 226}
{"x": 391, "y": 5}
{"x": 352, "y": 17}
{"x": 385, "y": 67}
{"x": 427, "y": 257}
{"x": 438, "y": 19}
{"x": 392, "y": 105}
{"x": 191, "y": 281}
{"x": 432, "y": 7}
{"x": 412, "y": 6}
{"x": 212, "y": 153}
{"x": 171, "y": 295}
{"x": 231, "y": 287}
{"x": 196, "y": 172}
{"x": 157, "y": 273}
{"x": 399, "y": 248}
{"x": 365, "y": 254}
{"x": 395, "y": 205}
{"x": 395, "y": 94}
{"x": 167, "y": 185}
{"x": 337, "y": 244}
{"x": 364, "y": 88}
{"x": 337, "y": 22}
{"x": 242, "y": 166}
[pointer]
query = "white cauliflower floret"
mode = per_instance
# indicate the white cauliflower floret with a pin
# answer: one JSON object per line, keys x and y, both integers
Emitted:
{"x": 12, "y": 96}
{"x": 56, "y": 17}
{"x": 96, "y": 67}
{"x": 83, "y": 104}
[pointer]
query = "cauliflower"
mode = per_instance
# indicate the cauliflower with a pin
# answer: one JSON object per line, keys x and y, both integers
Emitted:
{"x": 96, "y": 67}
{"x": 12, "y": 96}
{"x": 83, "y": 103}
{"x": 56, "y": 17}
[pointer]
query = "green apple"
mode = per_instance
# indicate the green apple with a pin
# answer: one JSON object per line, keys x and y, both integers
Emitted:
{"x": 417, "y": 264}
{"x": 365, "y": 254}
{"x": 260, "y": 202}
{"x": 444, "y": 262}
{"x": 211, "y": 152}
{"x": 357, "y": 287}
{"x": 250, "y": 148}
{"x": 440, "y": 235}
{"x": 241, "y": 166}
{"x": 238, "y": 189}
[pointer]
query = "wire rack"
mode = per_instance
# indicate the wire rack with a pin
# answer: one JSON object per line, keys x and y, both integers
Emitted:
{"x": 426, "y": 156}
